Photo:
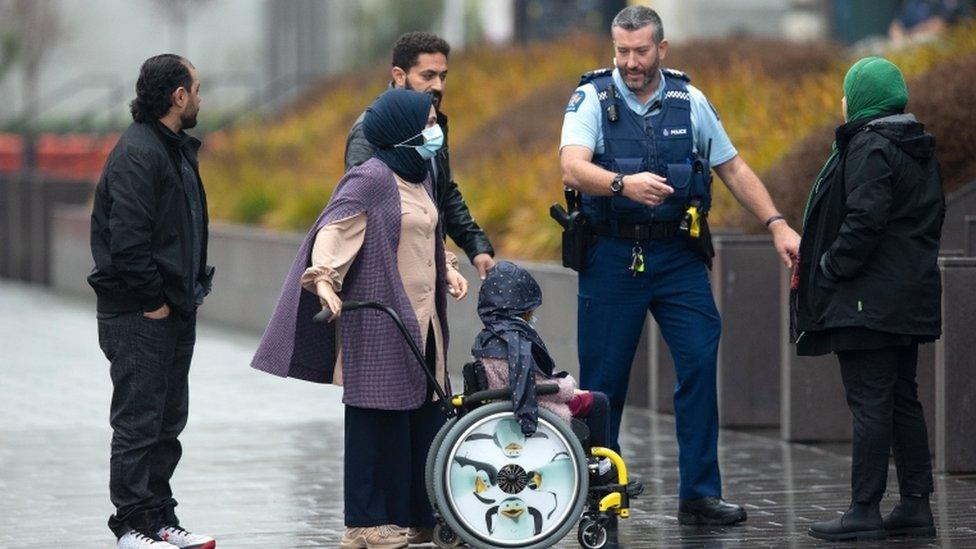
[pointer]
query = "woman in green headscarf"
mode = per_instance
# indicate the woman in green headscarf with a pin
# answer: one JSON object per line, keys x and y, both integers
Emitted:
{"x": 868, "y": 290}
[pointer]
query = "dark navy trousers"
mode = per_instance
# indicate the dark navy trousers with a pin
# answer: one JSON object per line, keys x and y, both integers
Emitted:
{"x": 613, "y": 305}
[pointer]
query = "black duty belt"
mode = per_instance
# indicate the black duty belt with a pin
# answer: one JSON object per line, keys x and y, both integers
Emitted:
{"x": 638, "y": 231}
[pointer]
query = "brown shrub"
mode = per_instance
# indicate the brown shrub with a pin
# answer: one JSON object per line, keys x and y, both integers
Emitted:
{"x": 779, "y": 101}
{"x": 945, "y": 101}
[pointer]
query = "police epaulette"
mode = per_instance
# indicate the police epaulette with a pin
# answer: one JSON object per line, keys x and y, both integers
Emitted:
{"x": 674, "y": 73}
{"x": 586, "y": 77}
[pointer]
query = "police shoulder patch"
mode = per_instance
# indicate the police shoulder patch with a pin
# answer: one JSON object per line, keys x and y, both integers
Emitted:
{"x": 586, "y": 77}
{"x": 575, "y": 101}
{"x": 674, "y": 73}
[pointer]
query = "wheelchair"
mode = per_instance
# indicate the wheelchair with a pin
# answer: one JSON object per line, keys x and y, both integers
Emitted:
{"x": 491, "y": 487}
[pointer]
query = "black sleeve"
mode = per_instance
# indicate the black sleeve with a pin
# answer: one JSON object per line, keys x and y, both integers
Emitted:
{"x": 868, "y": 182}
{"x": 131, "y": 221}
{"x": 358, "y": 149}
{"x": 458, "y": 223}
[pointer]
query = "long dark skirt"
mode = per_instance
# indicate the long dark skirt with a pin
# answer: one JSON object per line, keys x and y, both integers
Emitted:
{"x": 386, "y": 453}
{"x": 384, "y": 466}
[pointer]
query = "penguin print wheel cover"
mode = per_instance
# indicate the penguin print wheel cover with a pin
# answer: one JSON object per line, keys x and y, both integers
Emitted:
{"x": 508, "y": 488}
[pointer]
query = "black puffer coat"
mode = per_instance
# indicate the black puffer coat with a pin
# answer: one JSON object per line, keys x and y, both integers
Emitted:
{"x": 868, "y": 255}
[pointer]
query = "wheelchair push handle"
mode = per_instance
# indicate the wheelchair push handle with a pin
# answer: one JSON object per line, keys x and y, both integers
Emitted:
{"x": 326, "y": 314}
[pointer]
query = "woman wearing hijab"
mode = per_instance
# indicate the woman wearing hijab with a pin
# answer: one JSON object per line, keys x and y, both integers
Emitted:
{"x": 868, "y": 290}
{"x": 378, "y": 239}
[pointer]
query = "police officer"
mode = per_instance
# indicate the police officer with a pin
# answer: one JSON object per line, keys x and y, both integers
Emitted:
{"x": 420, "y": 63}
{"x": 638, "y": 142}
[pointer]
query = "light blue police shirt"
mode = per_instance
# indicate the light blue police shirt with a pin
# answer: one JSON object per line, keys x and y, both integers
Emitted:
{"x": 582, "y": 121}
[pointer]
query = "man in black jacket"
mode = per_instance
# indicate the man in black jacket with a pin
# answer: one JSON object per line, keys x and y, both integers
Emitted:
{"x": 420, "y": 63}
{"x": 149, "y": 242}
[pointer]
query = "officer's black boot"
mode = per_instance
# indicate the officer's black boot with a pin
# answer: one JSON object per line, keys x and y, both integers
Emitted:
{"x": 861, "y": 521}
{"x": 911, "y": 517}
{"x": 709, "y": 511}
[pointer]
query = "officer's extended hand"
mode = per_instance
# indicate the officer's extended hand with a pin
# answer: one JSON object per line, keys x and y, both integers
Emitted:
{"x": 646, "y": 188}
{"x": 786, "y": 241}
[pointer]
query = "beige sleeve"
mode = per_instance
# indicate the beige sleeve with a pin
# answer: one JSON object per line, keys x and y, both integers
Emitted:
{"x": 335, "y": 248}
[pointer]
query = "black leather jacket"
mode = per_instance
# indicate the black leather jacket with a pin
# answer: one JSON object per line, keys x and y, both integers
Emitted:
{"x": 458, "y": 223}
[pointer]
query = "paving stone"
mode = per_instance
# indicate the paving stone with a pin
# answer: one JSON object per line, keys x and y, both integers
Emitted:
{"x": 262, "y": 464}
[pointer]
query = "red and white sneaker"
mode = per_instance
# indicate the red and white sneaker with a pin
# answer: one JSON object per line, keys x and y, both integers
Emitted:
{"x": 179, "y": 537}
{"x": 139, "y": 540}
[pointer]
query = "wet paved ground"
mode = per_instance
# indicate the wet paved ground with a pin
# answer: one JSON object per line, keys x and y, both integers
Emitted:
{"x": 263, "y": 456}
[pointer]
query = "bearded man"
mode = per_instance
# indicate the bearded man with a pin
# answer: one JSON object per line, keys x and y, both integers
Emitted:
{"x": 149, "y": 243}
{"x": 638, "y": 146}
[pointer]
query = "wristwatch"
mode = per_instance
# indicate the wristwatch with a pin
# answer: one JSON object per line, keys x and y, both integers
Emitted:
{"x": 617, "y": 185}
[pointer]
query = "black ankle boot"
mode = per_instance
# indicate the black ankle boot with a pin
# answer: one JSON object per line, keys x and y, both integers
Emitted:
{"x": 861, "y": 521}
{"x": 911, "y": 517}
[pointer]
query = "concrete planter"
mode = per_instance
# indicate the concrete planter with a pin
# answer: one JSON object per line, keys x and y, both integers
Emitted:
{"x": 955, "y": 363}
{"x": 959, "y": 204}
{"x": 27, "y": 203}
{"x": 971, "y": 236}
{"x": 745, "y": 280}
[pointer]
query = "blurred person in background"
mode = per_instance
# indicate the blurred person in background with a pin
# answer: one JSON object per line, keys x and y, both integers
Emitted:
{"x": 149, "y": 243}
{"x": 868, "y": 290}
{"x": 379, "y": 239}
{"x": 420, "y": 63}
{"x": 925, "y": 19}
{"x": 638, "y": 144}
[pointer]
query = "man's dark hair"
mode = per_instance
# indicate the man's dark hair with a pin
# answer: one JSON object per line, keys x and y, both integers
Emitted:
{"x": 159, "y": 77}
{"x": 636, "y": 17}
{"x": 407, "y": 49}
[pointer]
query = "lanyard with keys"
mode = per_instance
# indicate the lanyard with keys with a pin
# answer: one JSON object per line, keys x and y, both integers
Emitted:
{"x": 637, "y": 261}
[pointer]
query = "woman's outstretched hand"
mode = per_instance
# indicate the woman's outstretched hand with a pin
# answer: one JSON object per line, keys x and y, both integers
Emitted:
{"x": 457, "y": 286}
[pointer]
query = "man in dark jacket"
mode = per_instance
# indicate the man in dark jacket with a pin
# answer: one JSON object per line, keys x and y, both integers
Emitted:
{"x": 869, "y": 290}
{"x": 420, "y": 63}
{"x": 149, "y": 242}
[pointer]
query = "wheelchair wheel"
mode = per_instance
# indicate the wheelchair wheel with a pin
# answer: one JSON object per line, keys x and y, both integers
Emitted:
{"x": 445, "y": 538}
{"x": 592, "y": 533}
{"x": 495, "y": 488}
{"x": 431, "y": 454}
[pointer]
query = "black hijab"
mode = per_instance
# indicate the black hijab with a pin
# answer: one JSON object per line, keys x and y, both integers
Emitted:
{"x": 396, "y": 116}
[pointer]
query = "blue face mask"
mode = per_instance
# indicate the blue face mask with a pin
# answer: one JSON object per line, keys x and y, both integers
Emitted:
{"x": 433, "y": 140}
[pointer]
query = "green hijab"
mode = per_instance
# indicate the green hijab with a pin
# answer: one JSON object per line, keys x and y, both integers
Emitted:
{"x": 873, "y": 86}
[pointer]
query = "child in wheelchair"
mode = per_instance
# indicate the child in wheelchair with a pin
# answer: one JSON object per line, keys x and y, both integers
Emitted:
{"x": 513, "y": 355}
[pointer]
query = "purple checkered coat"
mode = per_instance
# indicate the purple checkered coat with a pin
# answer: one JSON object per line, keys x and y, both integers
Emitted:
{"x": 379, "y": 371}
